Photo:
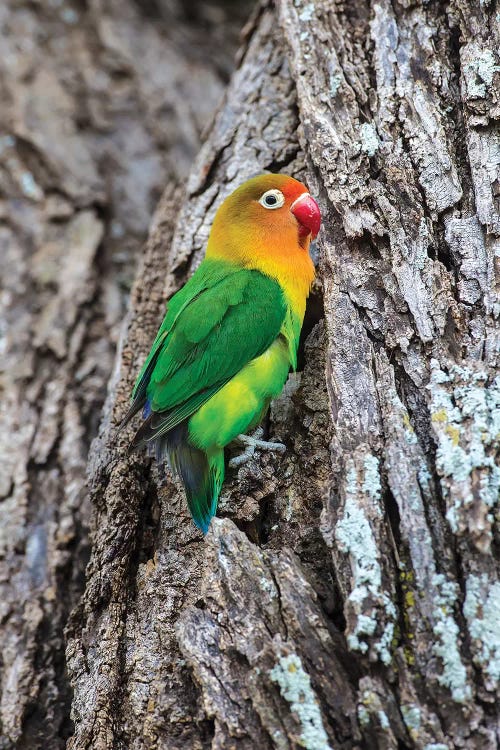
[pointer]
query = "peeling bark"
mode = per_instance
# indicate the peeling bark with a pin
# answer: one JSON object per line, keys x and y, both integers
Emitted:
{"x": 348, "y": 596}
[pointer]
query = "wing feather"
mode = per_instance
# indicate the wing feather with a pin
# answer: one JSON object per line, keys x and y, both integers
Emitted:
{"x": 228, "y": 321}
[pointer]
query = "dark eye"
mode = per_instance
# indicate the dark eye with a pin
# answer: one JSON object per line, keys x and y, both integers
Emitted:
{"x": 272, "y": 199}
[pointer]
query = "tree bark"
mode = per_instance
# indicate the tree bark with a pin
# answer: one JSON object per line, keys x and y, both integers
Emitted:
{"x": 102, "y": 105}
{"x": 348, "y": 595}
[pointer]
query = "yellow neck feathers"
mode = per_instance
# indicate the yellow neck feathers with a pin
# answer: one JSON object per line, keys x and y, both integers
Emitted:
{"x": 272, "y": 250}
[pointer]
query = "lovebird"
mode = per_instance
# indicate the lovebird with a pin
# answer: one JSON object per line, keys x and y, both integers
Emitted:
{"x": 229, "y": 336}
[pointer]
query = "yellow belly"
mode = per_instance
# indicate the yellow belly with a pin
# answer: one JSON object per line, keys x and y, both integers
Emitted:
{"x": 241, "y": 403}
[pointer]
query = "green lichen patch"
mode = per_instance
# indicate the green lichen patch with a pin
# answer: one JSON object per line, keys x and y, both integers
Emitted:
{"x": 482, "y": 611}
{"x": 412, "y": 718}
{"x": 479, "y": 74}
{"x": 370, "y": 612}
{"x": 369, "y": 139}
{"x": 295, "y": 687}
{"x": 370, "y": 710}
{"x": 454, "y": 675}
{"x": 465, "y": 418}
{"x": 371, "y": 482}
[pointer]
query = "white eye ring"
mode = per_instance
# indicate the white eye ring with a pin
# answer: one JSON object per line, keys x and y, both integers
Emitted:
{"x": 275, "y": 197}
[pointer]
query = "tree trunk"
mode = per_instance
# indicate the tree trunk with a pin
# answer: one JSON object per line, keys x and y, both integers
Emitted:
{"x": 102, "y": 104}
{"x": 348, "y": 595}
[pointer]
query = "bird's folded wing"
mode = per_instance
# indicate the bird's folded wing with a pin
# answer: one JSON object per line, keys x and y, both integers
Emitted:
{"x": 210, "y": 338}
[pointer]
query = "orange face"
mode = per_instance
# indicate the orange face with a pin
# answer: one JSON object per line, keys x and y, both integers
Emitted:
{"x": 272, "y": 212}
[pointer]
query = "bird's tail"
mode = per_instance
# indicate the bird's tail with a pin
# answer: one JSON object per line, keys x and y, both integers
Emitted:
{"x": 202, "y": 475}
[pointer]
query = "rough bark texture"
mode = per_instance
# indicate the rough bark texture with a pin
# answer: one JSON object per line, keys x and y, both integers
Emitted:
{"x": 350, "y": 595}
{"x": 102, "y": 105}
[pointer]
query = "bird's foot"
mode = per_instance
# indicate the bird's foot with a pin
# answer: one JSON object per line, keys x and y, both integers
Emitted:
{"x": 251, "y": 443}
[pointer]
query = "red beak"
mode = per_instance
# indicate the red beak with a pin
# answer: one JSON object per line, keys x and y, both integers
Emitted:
{"x": 306, "y": 211}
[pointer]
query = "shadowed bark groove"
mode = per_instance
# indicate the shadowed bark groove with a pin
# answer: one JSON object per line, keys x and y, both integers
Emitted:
{"x": 356, "y": 604}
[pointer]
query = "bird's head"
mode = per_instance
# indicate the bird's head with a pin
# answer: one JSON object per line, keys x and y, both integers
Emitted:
{"x": 271, "y": 214}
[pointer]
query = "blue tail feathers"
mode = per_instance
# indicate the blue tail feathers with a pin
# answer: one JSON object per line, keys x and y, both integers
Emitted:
{"x": 202, "y": 475}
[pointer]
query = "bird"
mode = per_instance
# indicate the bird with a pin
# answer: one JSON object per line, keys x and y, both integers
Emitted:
{"x": 229, "y": 336}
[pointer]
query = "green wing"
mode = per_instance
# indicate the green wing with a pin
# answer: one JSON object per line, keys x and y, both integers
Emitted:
{"x": 212, "y": 329}
{"x": 207, "y": 275}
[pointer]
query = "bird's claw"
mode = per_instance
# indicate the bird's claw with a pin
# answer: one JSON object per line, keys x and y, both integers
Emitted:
{"x": 252, "y": 442}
